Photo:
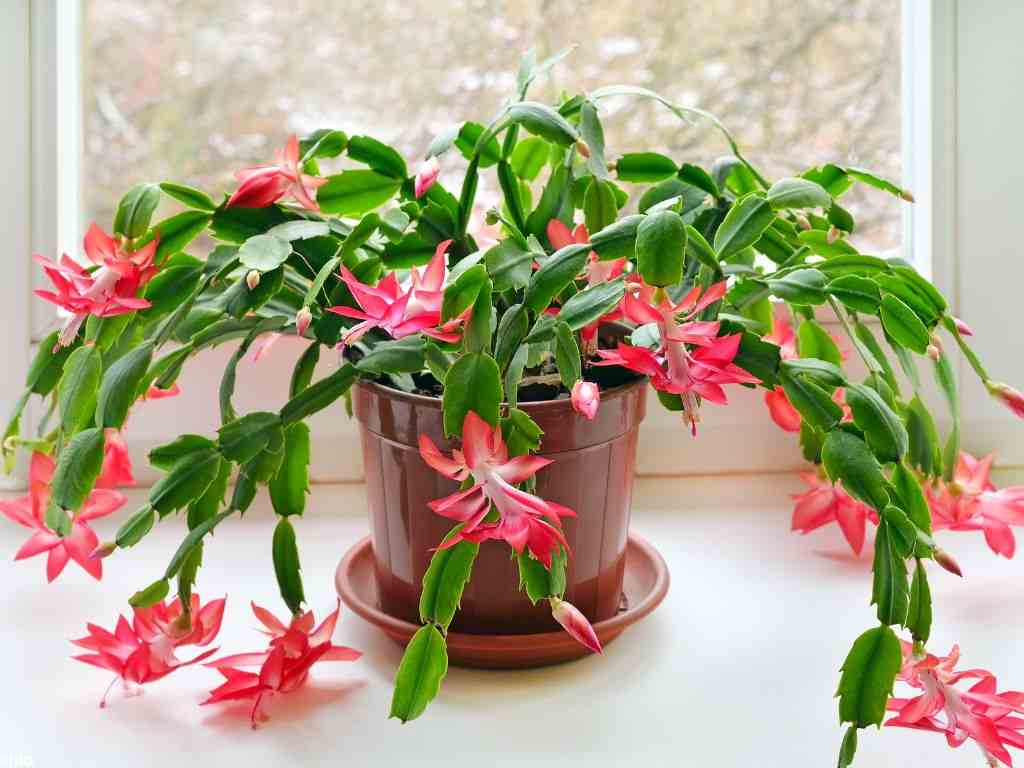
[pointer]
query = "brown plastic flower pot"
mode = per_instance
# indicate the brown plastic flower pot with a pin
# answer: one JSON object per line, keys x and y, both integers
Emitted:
{"x": 592, "y": 474}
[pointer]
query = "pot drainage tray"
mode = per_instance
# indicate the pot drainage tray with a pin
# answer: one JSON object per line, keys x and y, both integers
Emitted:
{"x": 644, "y": 586}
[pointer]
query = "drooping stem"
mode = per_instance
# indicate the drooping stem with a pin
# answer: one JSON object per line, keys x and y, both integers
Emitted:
{"x": 965, "y": 348}
{"x": 869, "y": 361}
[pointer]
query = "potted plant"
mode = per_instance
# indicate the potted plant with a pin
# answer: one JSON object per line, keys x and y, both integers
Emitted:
{"x": 474, "y": 352}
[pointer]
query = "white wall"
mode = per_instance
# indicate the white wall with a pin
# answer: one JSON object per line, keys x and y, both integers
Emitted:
{"x": 989, "y": 179}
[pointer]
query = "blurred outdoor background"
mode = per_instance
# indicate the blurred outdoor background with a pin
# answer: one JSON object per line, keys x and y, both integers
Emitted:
{"x": 190, "y": 90}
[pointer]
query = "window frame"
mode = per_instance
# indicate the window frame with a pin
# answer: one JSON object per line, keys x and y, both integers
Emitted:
{"x": 45, "y": 56}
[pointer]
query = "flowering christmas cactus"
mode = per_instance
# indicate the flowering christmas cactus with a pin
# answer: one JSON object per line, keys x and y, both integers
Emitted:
{"x": 715, "y": 277}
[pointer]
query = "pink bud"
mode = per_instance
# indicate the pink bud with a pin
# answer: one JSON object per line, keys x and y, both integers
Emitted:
{"x": 585, "y": 398}
{"x": 802, "y": 221}
{"x": 252, "y": 279}
{"x": 943, "y": 558}
{"x": 103, "y": 550}
{"x": 832, "y": 236}
{"x": 582, "y": 148}
{"x": 575, "y": 623}
{"x": 963, "y": 328}
{"x": 1008, "y": 396}
{"x": 426, "y": 176}
{"x": 302, "y": 320}
{"x": 934, "y": 352}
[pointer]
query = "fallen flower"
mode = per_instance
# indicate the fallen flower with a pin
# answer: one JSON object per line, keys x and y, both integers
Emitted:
{"x": 824, "y": 503}
{"x": 586, "y": 397}
{"x": 79, "y": 543}
{"x": 972, "y": 503}
{"x": 108, "y": 291}
{"x": 978, "y": 713}
{"x": 263, "y": 185}
{"x": 525, "y": 521}
{"x": 144, "y": 651}
{"x": 575, "y": 623}
{"x": 284, "y": 666}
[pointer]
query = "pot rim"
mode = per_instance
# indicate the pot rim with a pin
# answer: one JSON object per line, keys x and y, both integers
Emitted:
{"x": 430, "y": 401}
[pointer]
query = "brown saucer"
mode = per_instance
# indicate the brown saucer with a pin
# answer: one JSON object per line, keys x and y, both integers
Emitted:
{"x": 644, "y": 587}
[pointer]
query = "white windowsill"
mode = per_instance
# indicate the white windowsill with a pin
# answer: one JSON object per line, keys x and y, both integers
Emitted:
{"x": 703, "y": 677}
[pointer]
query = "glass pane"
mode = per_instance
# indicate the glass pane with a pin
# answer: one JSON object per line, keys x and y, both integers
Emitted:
{"x": 191, "y": 91}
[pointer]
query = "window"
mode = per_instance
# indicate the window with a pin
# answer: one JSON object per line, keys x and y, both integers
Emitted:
{"x": 191, "y": 91}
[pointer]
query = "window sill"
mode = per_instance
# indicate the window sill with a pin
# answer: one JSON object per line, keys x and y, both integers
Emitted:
{"x": 782, "y": 614}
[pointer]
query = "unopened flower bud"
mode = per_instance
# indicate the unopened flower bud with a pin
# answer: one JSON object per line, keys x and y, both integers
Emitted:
{"x": 575, "y": 623}
{"x": 943, "y": 558}
{"x": 426, "y": 176}
{"x": 963, "y": 328}
{"x": 907, "y": 195}
{"x": 302, "y": 320}
{"x": 1008, "y": 396}
{"x": 709, "y": 200}
{"x": 585, "y": 398}
{"x": 103, "y": 550}
{"x": 832, "y": 236}
{"x": 934, "y": 352}
{"x": 937, "y": 342}
{"x": 802, "y": 221}
{"x": 492, "y": 217}
{"x": 252, "y": 279}
{"x": 582, "y": 148}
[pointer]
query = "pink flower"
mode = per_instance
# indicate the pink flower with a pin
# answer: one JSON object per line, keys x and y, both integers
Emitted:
{"x": 144, "y": 651}
{"x": 825, "y": 503}
{"x": 108, "y": 291}
{"x": 783, "y": 337}
{"x": 787, "y": 417}
{"x": 560, "y": 236}
{"x": 575, "y": 623}
{"x": 264, "y": 185}
{"x": 781, "y": 410}
{"x": 978, "y": 713}
{"x": 302, "y": 320}
{"x": 963, "y": 328}
{"x": 117, "y": 464}
{"x": 427, "y": 174}
{"x": 972, "y": 503}
{"x": 524, "y": 520}
{"x": 30, "y": 511}
{"x": 1008, "y": 396}
{"x": 284, "y": 666}
{"x": 263, "y": 345}
{"x": 586, "y": 397}
{"x": 399, "y": 311}
{"x": 596, "y": 272}
{"x": 155, "y": 393}
{"x": 672, "y": 366}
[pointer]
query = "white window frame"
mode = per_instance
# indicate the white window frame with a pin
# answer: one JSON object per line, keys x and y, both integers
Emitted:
{"x": 42, "y": 214}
